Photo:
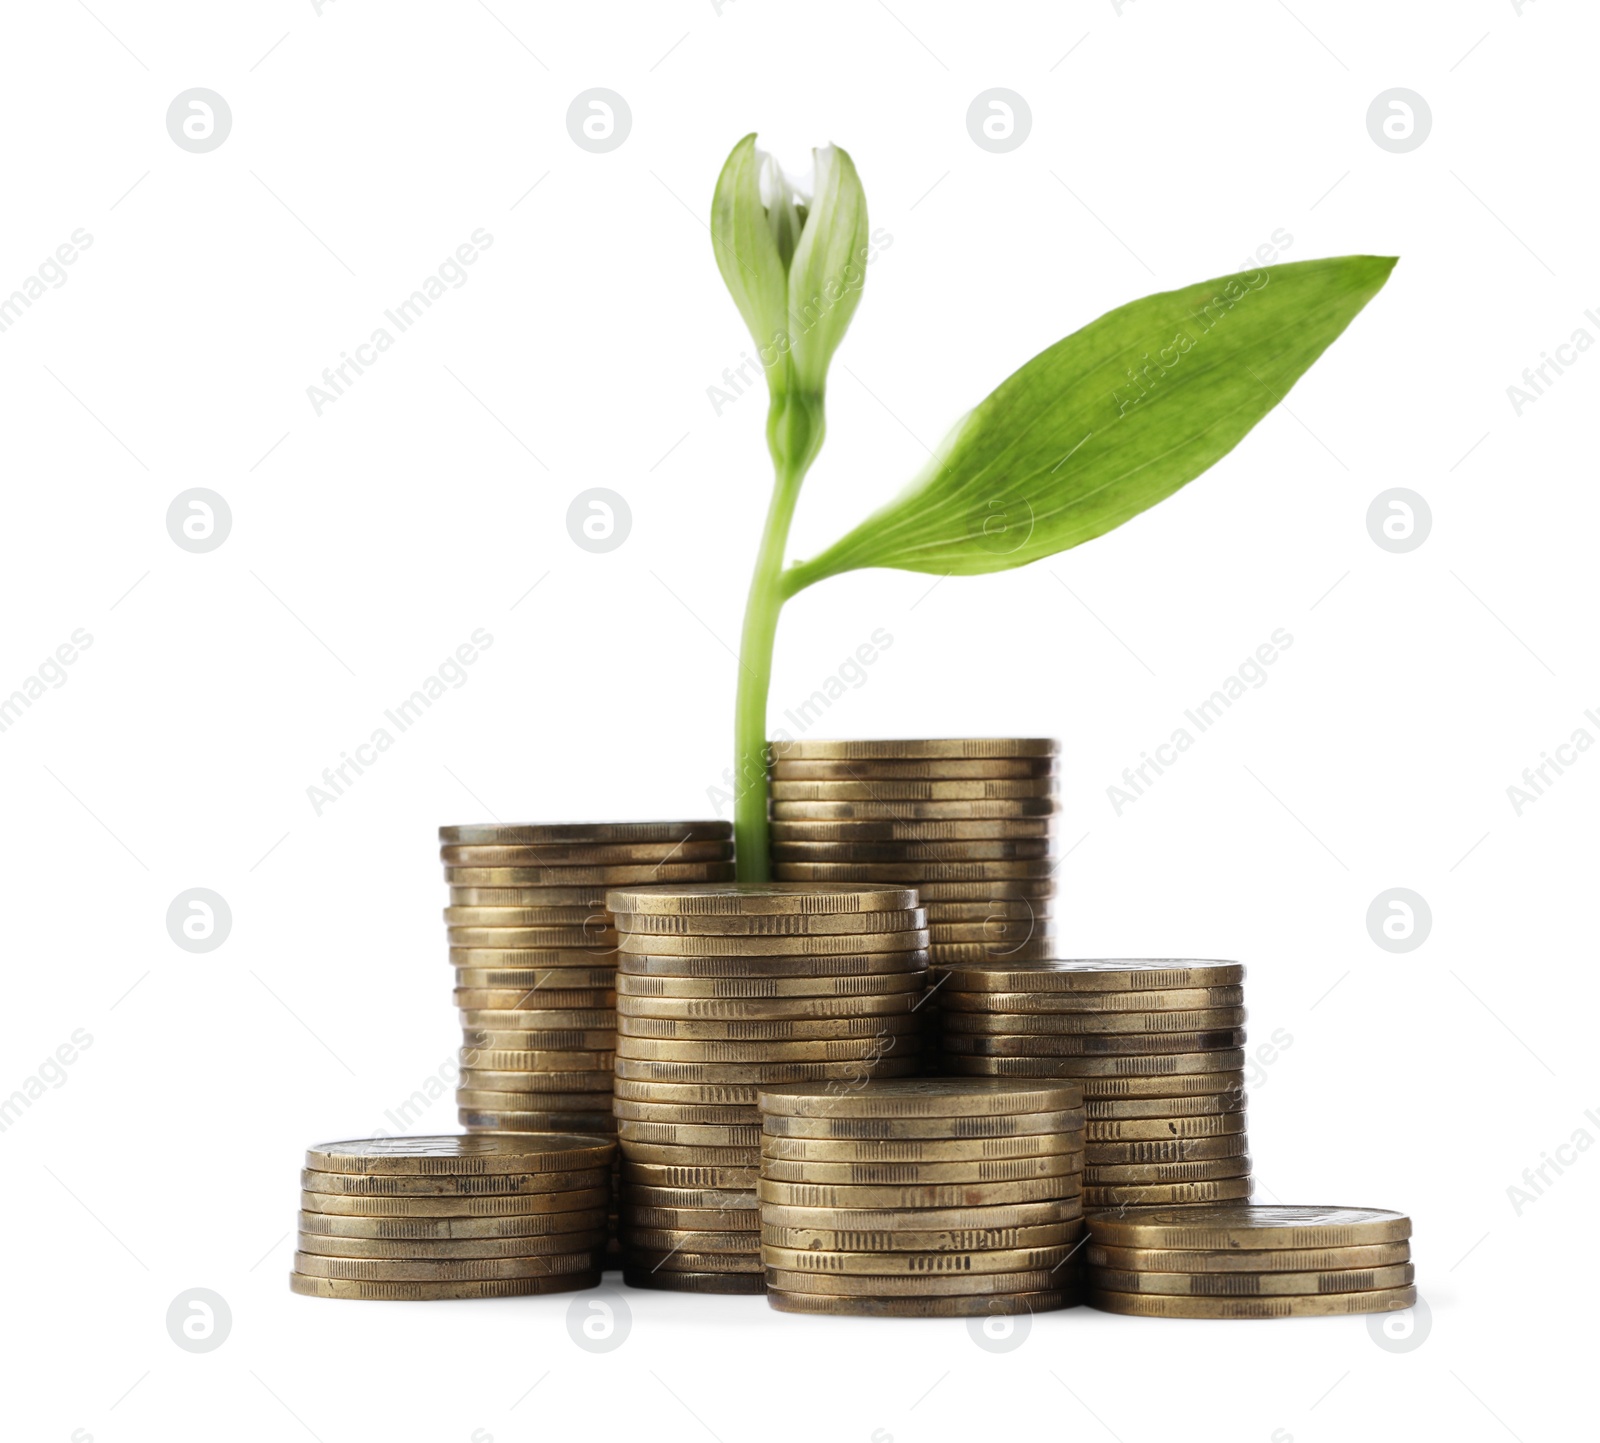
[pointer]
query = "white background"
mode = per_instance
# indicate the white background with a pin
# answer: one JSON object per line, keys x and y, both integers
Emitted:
{"x": 367, "y": 543}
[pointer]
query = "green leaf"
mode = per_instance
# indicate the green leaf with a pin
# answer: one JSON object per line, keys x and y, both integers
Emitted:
{"x": 1109, "y": 421}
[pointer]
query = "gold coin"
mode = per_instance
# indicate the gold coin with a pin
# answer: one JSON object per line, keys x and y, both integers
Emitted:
{"x": 703, "y": 1093}
{"x": 913, "y": 790}
{"x": 1165, "y": 1066}
{"x": 915, "y": 1195}
{"x": 859, "y": 964}
{"x": 824, "y": 945}
{"x": 384, "y": 1250}
{"x": 864, "y": 1129}
{"x": 799, "y": 992}
{"x": 491, "y": 1080}
{"x": 913, "y": 811}
{"x": 1164, "y": 1194}
{"x": 477, "y": 1001}
{"x": 528, "y": 917}
{"x": 475, "y": 1117}
{"x": 1250, "y": 1260}
{"x": 875, "y": 1264}
{"x": 875, "y": 1219}
{"x": 660, "y": 1261}
{"x": 1160, "y": 1110}
{"x": 850, "y": 1049}
{"x": 589, "y": 899}
{"x": 1113, "y": 975}
{"x": 688, "y": 1194}
{"x": 1148, "y": 1305}
{"x": 996, "y": 932}
{"x": 771, "y": 924}
{"x": 915, "y": 1150}
{"x": 439, "y": 1156}
{"x": 454, "y": 1207}
{"x": 518, "y": 939}
{"x": 418, "y": 1292}
{"x": 728, "y": 1160}
{"x": 955, "y": 1240}
{"x": 944, "y": 1097}
{"x": 781, "y": 1029}
{"x": 999, "y": 890}
{"x": 1197, "y": 1084}
{"x": 679, "y": 1282}
{"x": 1253, "y": 1225}
{"x": 1171, "y": 1149}
{"x": 886, "y": 1174}
{"x": 1098, "y": 1024}
{"x": 753, "y": 898}
{"x": 1040, "y": 944}
{"x": 717, "y": 1220}
{"x": 793, "y": 769}
{"x": 691, "y": 1134}
{"x": 913, "y": 872}
{"x": 899, "y": 749}
{"x": 570, "y": 1040}
{"x": 1114, "y": 1174}
{"x": 780, "y": 1012}
{"x": 1121, "y": 1045}
{"x": 486, "y": 1059}
{"x": 435, "y": 1230}
{"x": 444, "y": 1270}
{"x": 611, "y": 833}
{"x": 534, "y": 959}
{"x": 585, "y": 1108}
{"x": 608, "y": 877}
{"x": 599, "y": 854}
{"x": 1255, "y": 1285}
{"x": 858, "y": 1070}
{"x": 895, "y": 1286}
{"x": 602, "y": 978}
{"x": 528, "y": 1019}
{"x": 999, "y": 909}
{"x": 960, "y": 829}
{"x": 642, "y": 1240}
{"x": 494, "y": 1184}
{"x": 999, "y": 1305}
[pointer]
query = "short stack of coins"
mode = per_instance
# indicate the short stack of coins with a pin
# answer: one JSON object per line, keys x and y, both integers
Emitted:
{"x": 1157, "y": 1046}
{"x": 923, "y": 1197}
{"x": 1244, "y": 1261}
{"x": 966, "y": 821}
{"x": 480, "y": 1216}
{"x": 721, "y": 989}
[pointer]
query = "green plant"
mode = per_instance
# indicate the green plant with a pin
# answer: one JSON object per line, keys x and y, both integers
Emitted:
{"x": 1099, "y": 427}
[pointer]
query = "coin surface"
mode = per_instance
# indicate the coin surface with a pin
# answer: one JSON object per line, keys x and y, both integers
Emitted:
{"x": 897, "y": 1174}
{"x": 899, "y": 1285}
{"x": 1124, "y": 1045}
{"x": 1254, "y": 1285}
{"x": 1155, "y": 1305}
{"x": 782, "y": 1029}
{"x": 975, "y": 789}
{"x": 507, "y": 1119}
{"x": 1024, "y": 849}
{"x": 921, "y": 1219}
{"x": 379, "y": 1249}
{"x": 771, "y": 924}
{"x": 959, "y": 829}
{"x": 1225, "y": 1059}
{"x": 516, "y": 939}
{"x": 455, "y": 1155}
{"x": 683, "y": 1282}
{"x": 1250, "y": 1260}
{"x": 687, "y": 1134}
{"x": 1120, "y": 974}
{"x": 1096, "y": 1024}
{"x": 911, "y": 769}
{"x": 569, "y": 1040}
{"x": 527, "y": 917}
{"x": 532, "y": 980}
{"x": 590, "y": 899}
{"x": 818, "y": 945}
{"x": 958, "y": 1240}
{"x": 847, "y": 1128}
{"x": 489, "y": 834}
{"x": 1251, "y": 1226}
{"x": 1228, "y": 1083}
{"x": 1109, "y": 1174}
{"x": 529, "y": 1019}
{"x": 893, "y": 1150}
{"x": 913, "y": 811}
{"x": 443, "y": 1270}
{"x": 922, "y": 1097}
{"x": 633, "y": 987}
{"x": 1125, "y": 1196}
{"x": 557, "y": 856}
{"x": 754, "y": 898}
{"x": 500, "y": 1184}
{"x": 955, "y": 997}
{"x": 618, "y": 876}
{"x": 418, "y": 1292}
{"x": 576, "y": 1080}
{"x": 880, "y": 1044}
{"x": 1160, "y": 1110}
{"x": 858, "y": 1069}
{"x": 708, "y": 1093}
{"x": 899, "y": 749}
{"x": 783, "y": 1010}
{"x": 914, "y": 1195}
{"x": 465, "y": 1207}
{"x": 411, "y": 1230}
{"x": 973, "y": 1306}
{"x": 480, "y": 1061}
{"x": 477, "y": 1001}
{"x": 915, "y": 872}
{"x": 1171, "y": 1149}
{"x": 759, "y": 968}
{"x": 745, "y": 1243}
{"x": 915, "y": 1264}
{"x": 716, "y": 1220}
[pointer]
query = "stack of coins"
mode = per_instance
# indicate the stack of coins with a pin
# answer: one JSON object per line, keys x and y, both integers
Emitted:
{"x": 1158, "y": 1047}
{"x": 452, "y": 1217}
{"x": 927, "y": 1197}
{"x": 535, "y": 957}
{"x": 720, "y": 990}
{"x": 1243, "y": 1261}
{"x": 966, "y": 821}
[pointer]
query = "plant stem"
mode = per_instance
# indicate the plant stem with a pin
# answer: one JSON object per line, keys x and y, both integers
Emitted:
{"x": 750, "y": 831}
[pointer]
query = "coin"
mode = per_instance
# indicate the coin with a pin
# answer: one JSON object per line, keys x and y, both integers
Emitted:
{"x": 760, "y": 968}
{"x": 1255, "y": 1285}
{"x": 687, "y": 1193}
{"x": 478, "y": 1001}
{"x": 1198, "y": 1084}
{"x": 586, "y": 1108}
{"x": 960, "y": 1284}
{"x": 676, "y": 992}
{"x": 569, "y": 1040}
{"x": 710, "y": 1093}
{"x": 1000, "y": 889}
{"x": 590, "y": 899}
{"x": 699, "y": 1114}
{"x": 847, "y": 1128}
{"x": 455, "y": 1156}
{"x": 782, "y": 1029}
{"x": 709, "y": 1134}
{"x": 1165, "y": 1150}
{"x": 465, "y": 1207}
{"x": 577, "y": 1080}
{"x": 913, "y": 811}
{"x": 594, "y": 854}
{"x": 518, "y": 939}
{"x": 877, "y": 789}
{"x": 443, "y": 1270}
{"x": 921, "y": 747}
{"x": 1197, "y": 1170}
{"x": 920, "y": 1219}
{"x": 728, "y": 1158}
{"x": 877, "y": 1264}
{"x": 850, "y": 1049}
{"x": 824, "y": 945}
{"x": 1098, "y": 1024}
{"x": 860, "y": 1069}
{"x": 966, "y": 1149}
{"x": 481, "y": 1060}
{"x": 755, "y": 898}
{"x": 1253, "y": 1225}
{"x": 913, "y": 1195}
{"x": 525, "y": 1247}
{"x": 930, "y": 768}
{"x": 771, "y": 924}
{"x": 783, "y": 1011}
{"x": 619, "y": 876}
{"x": 1159, "y": 1194}
{"x": 957, "y": 1240}
{"x": 518, "y": 1115}
{"x": 960, "y": 829}
{"x": 494, "y": 1184}
{"x": 1148, "y": 1305}
{"x": 697, "y": 1240}
{"x": 1250, "y": 1260}
{"x": 1224, "y": 1059}
{"x": 1124, "y": 1045}
{"x": 527, "y": 916}
{"x": 915, "y": 872}
{"x": 642, "y": 1277}
{"x": 923, "y": 1097}
{"x": 973, "y": 1306}
{"x": 1160, "y": 1110}
{"x": 884, "y": 1174}
{"x": 416, "y": 1292}
{"x": 1099, "y": 975}
{"x": 520, "y": 1019}
{"x": 996, "y": 932}
{"x": 723, "y": 1220}
{"x": 539, "y": 833}
{"x": 1083, "y": 1004}
{"x": 1040, "y": 944}
{"x": 600, "y": 978}
{"x": 435, "y": 1230}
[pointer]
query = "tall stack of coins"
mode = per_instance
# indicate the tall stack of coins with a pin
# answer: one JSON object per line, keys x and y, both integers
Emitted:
{"x": 1244, "y": 1261}
{"x": 926, "y": 1197}
{"x": 452, "y": 1217}
{"x": 966, "y": 821}
{"x": 722, "y": 989}
{"x": 535, "y": 957}
{"x": 1158, "y": 1047}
